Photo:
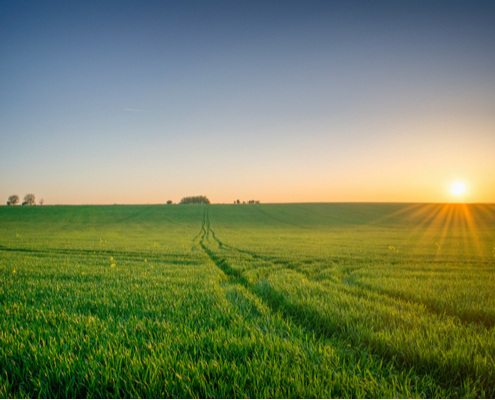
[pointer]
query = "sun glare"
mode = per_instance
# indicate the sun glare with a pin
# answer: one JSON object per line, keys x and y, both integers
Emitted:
{"x": 458, "y": 188}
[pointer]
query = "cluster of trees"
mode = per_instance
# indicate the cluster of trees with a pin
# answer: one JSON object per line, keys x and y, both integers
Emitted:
{"x": 29, "y": 200}
{"x": 195, "y": 200}
{"x": 249, "y": 202}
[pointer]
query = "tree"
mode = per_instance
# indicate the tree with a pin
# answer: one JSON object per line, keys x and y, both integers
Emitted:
{"x": 29, "y": 200}
{"x": 13, "y": 200}
{"x": 170, "y": 202}
{"x": 42, "y": 201}
{"x": 195, "y": 200}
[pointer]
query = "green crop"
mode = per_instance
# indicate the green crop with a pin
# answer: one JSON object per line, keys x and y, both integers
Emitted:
{"x": 296, "y": 300}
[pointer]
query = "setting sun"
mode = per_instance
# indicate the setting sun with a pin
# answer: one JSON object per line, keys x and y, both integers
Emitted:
{"x": 458, "y": 188}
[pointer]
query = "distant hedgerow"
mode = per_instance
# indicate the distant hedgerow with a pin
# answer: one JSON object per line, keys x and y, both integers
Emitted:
{"x": 195, "y": 200}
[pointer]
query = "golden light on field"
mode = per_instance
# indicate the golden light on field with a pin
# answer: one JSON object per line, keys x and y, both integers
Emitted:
{"x": 458, "y": 188}
{"x": 451, "y": 228}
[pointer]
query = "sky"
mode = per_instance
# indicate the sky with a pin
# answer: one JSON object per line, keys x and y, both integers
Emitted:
{"x": 136, "y": 102}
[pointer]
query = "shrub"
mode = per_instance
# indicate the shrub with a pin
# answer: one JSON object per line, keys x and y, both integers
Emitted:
{"x": 195, "y": 200}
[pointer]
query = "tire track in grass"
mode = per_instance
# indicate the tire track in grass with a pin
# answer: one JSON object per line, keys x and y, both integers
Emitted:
{"x": 347, "y": 278}
{"x": 202, "y": 224}
{"x": 220, "y": 262}
{"x": 234, "y": 280}
{"x": 207, "y": 220}
{"x": 307, "y": 319}
{"x": 223, "y": 264}
{"x": 221, "y": 245}
{"x": 276, "y": 302}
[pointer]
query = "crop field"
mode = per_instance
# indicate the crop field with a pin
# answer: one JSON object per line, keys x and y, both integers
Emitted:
{"x": 258, "y": 300}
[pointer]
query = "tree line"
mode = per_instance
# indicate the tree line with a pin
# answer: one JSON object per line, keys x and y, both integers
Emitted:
{"x": 195, "y": 200}
{"x": 29, "y": 200}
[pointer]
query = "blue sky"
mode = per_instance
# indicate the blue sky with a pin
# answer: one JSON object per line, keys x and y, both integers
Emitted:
{"x": 137, "y": 102}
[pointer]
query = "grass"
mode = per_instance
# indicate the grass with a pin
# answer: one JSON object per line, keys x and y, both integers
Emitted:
{"x": 296, "y": 300}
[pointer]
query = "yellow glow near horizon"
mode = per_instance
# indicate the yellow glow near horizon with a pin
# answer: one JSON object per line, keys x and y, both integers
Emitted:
{"x": 458, "y": 188}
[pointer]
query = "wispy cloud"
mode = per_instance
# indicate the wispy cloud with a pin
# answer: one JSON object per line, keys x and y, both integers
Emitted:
{"x": 134, "y": 110}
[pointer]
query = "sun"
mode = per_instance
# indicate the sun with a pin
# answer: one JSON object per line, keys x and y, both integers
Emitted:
{"x": 458, "y": 188}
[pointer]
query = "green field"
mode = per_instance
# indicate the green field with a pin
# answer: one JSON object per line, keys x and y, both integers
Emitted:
{"x": 262, "y": 300}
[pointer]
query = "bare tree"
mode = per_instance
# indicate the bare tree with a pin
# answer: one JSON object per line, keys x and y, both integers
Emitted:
{"x": 42, "y": 201}
{"x": 13, "y": 200}
{"x": 29, "y": 200}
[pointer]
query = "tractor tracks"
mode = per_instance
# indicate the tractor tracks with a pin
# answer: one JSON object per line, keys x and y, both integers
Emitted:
{"x": 233, "y": 262}
{"x": 236, "y": 275}
{"x": 204, "y": 235}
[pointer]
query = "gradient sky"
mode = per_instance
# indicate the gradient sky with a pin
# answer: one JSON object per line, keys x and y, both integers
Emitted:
{"x": 107, "y": 102}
